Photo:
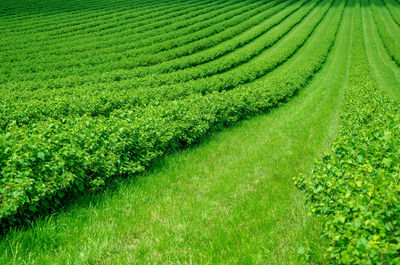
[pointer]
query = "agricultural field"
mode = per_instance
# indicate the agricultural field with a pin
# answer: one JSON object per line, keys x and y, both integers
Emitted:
{"x": 200, "y": 132}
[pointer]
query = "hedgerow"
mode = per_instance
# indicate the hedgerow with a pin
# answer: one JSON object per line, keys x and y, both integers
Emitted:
{"x": 355, "y": 189}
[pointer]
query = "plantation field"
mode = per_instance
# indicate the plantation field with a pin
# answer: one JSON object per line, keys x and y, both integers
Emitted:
{"x": 99, "y": 99}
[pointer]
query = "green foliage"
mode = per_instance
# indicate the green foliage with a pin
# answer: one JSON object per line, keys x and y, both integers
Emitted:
{"x": 42, "y": 161}
{"x": 355, "y": 190}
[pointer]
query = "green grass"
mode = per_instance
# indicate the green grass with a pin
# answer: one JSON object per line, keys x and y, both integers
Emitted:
{"x": 230, "y": 200}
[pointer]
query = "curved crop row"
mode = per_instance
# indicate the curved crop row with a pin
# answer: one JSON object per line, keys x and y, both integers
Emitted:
{"x": 37, "y": 9}
{"x": 97, "y": 56}
{"x": 97, "y": 29}
{"x": 238, "y": 57}
{"x": 55, "y": 22}
{"x": 209, "y": 37}
{"x": 125, "y": 38}
{"x": 59, "y": 21}
{"x": 84, "y": 152}
{"x": 123, "y": 19}
{"x": 116, "y": 29}
{"x": 106, "y": 98}
{"x": 115, "y": 35}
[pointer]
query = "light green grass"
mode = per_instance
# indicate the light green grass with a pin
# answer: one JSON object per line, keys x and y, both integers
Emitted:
{"x": 230, "y": 200}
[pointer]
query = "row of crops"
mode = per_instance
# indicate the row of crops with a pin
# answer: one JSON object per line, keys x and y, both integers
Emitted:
{"x": 94, "y": 90}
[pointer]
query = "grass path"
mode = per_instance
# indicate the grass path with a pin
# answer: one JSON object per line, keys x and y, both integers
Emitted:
{"x": 384, "y": 68}
{"x": 230, "y": 200}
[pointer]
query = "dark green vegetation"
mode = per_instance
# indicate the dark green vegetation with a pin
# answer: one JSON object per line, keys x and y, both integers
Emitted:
{"x": 93, "y": 91}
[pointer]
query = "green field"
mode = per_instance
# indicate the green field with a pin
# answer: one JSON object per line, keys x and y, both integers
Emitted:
{"x": 200, "y": 132}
